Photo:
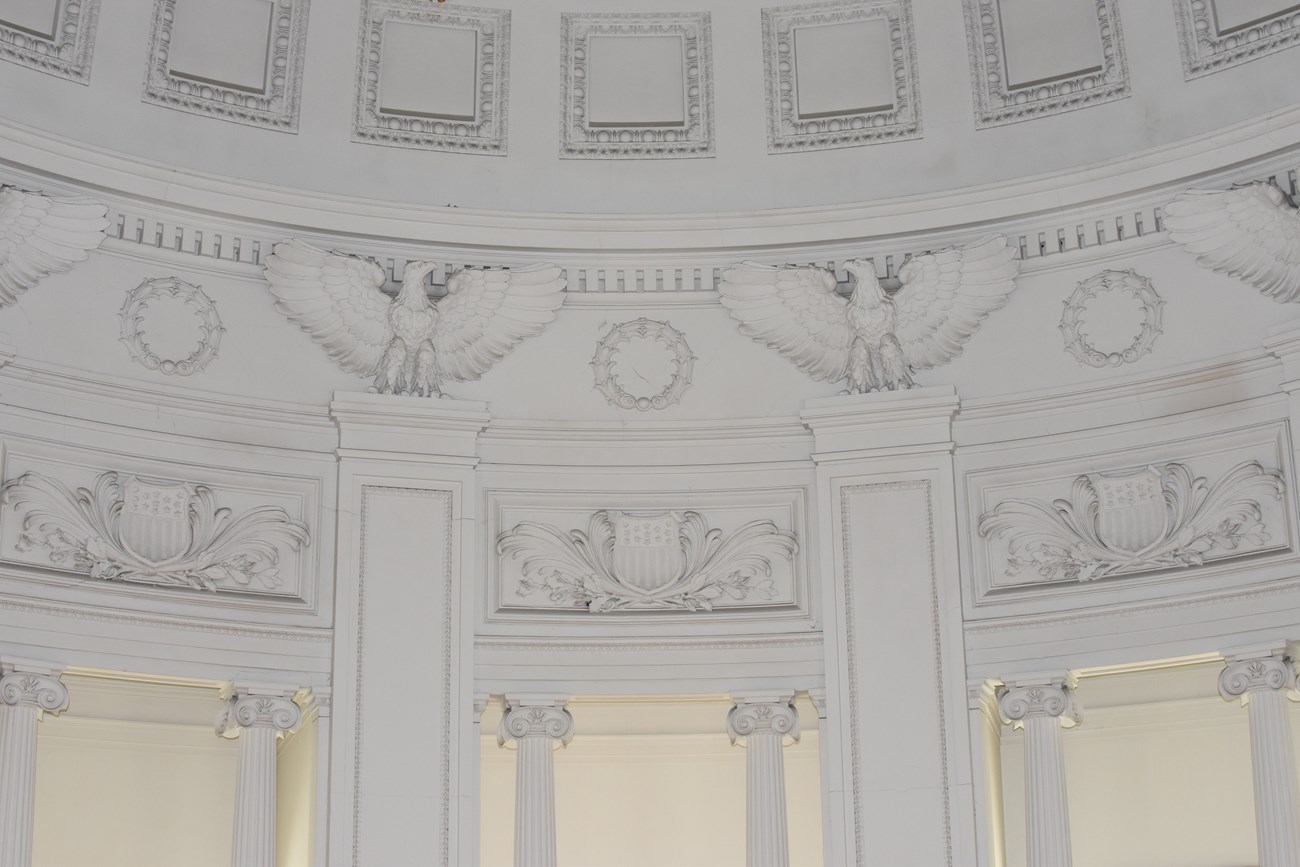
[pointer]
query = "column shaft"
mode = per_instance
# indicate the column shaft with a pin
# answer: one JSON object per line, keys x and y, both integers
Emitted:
{"x": 1048, "y": 818}
{"x": 1261, "y": 677}
{"x": 1041, "y": 705}
{"x": 17, "y": 784}
{"x": 26, "y": 692}
{"x": 535, "y": 802}
{"x": 766, "y": 840}
{"x": 538, "y": 724}
{"x": 255, "y": 806}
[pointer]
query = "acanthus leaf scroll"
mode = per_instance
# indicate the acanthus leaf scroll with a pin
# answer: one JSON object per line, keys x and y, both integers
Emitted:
{"x": 1135, "y": 521}
{"x": 138, "y": 530}
{"x": 627, "y": 561}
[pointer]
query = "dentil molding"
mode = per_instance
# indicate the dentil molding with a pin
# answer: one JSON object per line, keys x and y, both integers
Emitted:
{"x": 787, "y": 130}
{"x": 135, "y": 328}
{"x": 581, "y": 139}
{"x": 62, "y": 48}
{"x": 483, "y": 133}
{"x": 134, "y": 529}
{"x": 606, "y": 364}
{"x": 1206, "y": 47}
{"x": 628, "y": 561}
{"x": 1135, "y": 521}
{"x": 997, "y": 102}
{"x": 1074, "y": 320}
{"x": 273, "y": 105}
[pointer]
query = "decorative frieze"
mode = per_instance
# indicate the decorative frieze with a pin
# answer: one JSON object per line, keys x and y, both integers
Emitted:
{"x": 1135, "y": 521}
{"x": 634, "y": 339}
{"x": 1003, "y": 96}
{"x": 433, "y": 77}
{"x": 134, "y": 327}
{"x": 628, "y": 561}
{"x": 246, "y": 68}
{"x": 1213, "y": 39}
{"x": 54, "y": 38}
{"x": 150, "y": 531}
{"x": 603, "y": 54}
{"x": 801, "y": 61}
{"x": 1080, "y": 325}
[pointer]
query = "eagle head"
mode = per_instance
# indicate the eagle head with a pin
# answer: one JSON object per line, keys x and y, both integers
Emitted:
{"x": 866, "y": 286}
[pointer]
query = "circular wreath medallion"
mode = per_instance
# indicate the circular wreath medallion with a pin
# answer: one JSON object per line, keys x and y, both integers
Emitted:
{"x": 136, "y": 309}
{"x": 606, "y": 364}
{"x": 1074, "y": 325}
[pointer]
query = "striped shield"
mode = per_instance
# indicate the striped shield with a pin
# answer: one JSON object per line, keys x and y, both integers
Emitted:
{"x": 647, "y": 548}
{"x": 1132, "y": 514}
{"x": 155, "y": 518}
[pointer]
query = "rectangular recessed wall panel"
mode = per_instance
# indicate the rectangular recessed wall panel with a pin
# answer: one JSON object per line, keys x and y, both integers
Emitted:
{"x": 1233, "y": 15}
{"x": 39, "y": 17}
{"x": 56, "y": 37}
{"x": 429, "y": 70}
{"x": 1046, "y": 40}
{"x": 1034, "y": 58}
{"x": 635, "y": 81}
{"x": 1214, "y": 35}
{"x": 839, "y": 74}
{"x": 636, "y": 85}
{"x": 224, "y": 43}
{"x": 843, "y": 68}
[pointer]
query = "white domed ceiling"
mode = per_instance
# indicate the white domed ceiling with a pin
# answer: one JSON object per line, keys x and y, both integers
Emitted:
{"x": 622, "y": 107}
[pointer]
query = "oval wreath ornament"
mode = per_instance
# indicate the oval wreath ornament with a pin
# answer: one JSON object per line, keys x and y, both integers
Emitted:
{"x": 133, "y": 335}
{"x": 1074, "y": 328}
{"x": 605, "y": 364}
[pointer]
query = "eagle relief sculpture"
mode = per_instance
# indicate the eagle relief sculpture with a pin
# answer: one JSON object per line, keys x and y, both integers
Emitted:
{"x": 42, "y": 235}
{"x": 873, "y": 340}
{"x": 1251, "y": 232}
{"x": 409, "y": 344}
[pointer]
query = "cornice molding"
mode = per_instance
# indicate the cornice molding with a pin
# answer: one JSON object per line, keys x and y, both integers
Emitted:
{"x": 1225, "y": 155}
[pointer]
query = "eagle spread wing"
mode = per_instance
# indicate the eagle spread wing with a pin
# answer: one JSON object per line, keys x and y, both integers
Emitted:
{"x": 946, "y": 295}
{"x": 794, "y": 310}
{"x": 336, "y": 299}
{"x": 42, "y": 235}
{"x": 1251, "y": 232}
{"x": 486, "y": 312}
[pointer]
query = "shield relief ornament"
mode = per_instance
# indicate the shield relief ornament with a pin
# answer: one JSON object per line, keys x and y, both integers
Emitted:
{"x": 1131, "y": 511}
{"x": 156, "y": 518}
{"x": 647, "y": 548}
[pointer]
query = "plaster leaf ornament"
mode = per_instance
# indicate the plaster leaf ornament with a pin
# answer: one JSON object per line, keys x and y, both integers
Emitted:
{"x": 1134, "y": 521}
{"x": 410, "y": 345}
{"x": 629, "y": 561}
{"x": 1251, "y": 232}
{"x": 134, "y": 529}
{"x": 42, "y": 235}
{"x": 873, "y": 340}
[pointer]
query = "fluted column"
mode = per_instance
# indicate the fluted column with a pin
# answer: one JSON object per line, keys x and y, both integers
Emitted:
{"x": 258, "y": 717}
{"x": 26, "y": 693}
{"x": 764, "y": 720}
{"x": 538, "y": 724}
{"x": 1261, "y": 678}
{"x": 1041, "y": 706}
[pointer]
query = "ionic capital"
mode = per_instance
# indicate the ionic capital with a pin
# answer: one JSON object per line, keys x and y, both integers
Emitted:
{"x": 28, "y": 686}
{"x": 538, "y": 717}
{"x": 763, "y": 712}
{"x": 255, "y": 707}
{"x": 1049, "y": 697}
{"x": 1248, "y": 672}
